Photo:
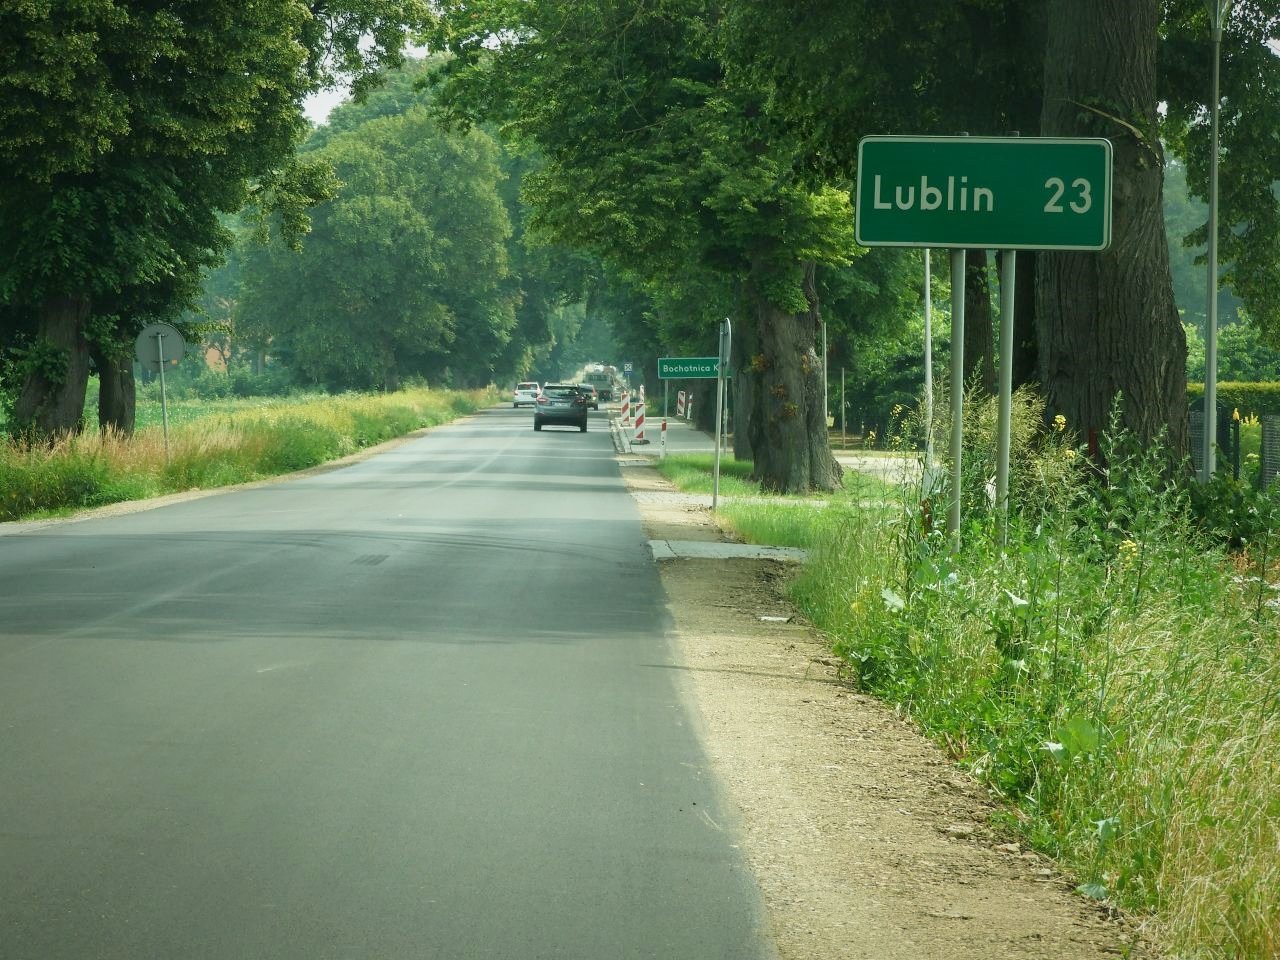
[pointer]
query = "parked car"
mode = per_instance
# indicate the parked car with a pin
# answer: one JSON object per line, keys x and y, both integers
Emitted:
{"x": 526, "y": 394}
{"x": 561, "y": 403}
{"x": 593, "y": 398}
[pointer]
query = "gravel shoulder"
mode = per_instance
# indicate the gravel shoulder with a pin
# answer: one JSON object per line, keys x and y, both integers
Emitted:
{"x": 865, "y": 840}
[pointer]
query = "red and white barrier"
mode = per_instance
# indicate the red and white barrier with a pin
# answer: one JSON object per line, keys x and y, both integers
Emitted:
{"x": 626, "y": 408}
{"x": 639, "y": 436}
{"x": 680, "y": 404}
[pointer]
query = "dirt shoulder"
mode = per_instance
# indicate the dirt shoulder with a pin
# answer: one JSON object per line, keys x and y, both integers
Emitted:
{"x": 865, "y": 841}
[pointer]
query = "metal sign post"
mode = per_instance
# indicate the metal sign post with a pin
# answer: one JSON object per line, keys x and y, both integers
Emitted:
{"x": 726, "y": 346}
{"x": 164, "y": 397}
{"x": 928, "y": 374}
{"x": 1004, "y": 425}
{"x": 158, "y": 346}
{"x": 1219, "y": 11}
{"x": 957, "y": 392}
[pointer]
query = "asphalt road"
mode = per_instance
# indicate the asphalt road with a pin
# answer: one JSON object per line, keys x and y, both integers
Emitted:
{"x": 418, "y": 707}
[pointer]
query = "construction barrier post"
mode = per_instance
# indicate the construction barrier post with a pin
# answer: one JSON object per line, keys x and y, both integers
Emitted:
{"x": 640, "y": 437}
{"x": 626, "y": 408}
{"x": 680, "y": 405}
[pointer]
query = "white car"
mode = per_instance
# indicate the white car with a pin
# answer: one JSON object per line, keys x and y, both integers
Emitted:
{"x": 526, "y": 394}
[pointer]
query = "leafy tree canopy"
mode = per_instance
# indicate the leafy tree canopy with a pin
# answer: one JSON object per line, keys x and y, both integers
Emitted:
{"x": 127, "y": 128}
{"x": 404, "y": 272}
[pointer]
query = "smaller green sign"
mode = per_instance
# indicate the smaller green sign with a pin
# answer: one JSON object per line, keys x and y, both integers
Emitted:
{"x": 688, "y": 368}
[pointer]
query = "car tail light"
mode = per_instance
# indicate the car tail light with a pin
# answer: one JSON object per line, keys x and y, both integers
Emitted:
{"x": 541, "y": 398}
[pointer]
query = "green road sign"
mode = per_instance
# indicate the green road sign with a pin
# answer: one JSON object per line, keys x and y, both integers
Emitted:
{"x": 688, "y": 368}
{"x": 1010, "y": 193}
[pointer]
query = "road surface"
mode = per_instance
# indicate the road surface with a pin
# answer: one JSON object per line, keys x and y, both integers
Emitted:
{"x": 417, "y": 707}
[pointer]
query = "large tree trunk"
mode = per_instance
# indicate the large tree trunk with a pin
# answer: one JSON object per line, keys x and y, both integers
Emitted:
{"x": 788, "y": 427}
{"x": 1024, "y": 319}
{"x": 117, "y": 392}
{"x": 979, "y": 354}
{"x": 746, "y": 344}
{"x": 51, "y": 398}
{"x": 1108, "y": 324}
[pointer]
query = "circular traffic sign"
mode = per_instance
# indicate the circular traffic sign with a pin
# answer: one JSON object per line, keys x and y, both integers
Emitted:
{"x": 159, "y": 343}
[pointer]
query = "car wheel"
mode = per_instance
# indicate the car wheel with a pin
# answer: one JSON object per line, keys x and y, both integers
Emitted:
{"x": 516, "y": 405}
{"x": 583, "y": 428}
{"x": 537, "y": 425}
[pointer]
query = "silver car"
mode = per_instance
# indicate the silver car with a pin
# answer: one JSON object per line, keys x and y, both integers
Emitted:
{"x": 525, "y": 394}
{"x": 561, "y": 403}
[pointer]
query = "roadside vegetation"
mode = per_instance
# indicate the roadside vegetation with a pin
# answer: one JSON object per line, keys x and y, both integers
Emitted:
{"x": 213, "y": 444}
{"x": 1111, "y": 670}
{"x": 693, "y": 473}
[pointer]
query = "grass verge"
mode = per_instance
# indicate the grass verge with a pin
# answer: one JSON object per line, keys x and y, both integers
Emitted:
{"x": 793, "y": 521}
{"x": 233, "y": 442}
{"x": 1111, "y": 670}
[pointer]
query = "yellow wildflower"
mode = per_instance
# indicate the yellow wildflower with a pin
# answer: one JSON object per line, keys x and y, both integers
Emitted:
{"x": 1059, "y": 423}
{"x": 1128, "y": 552}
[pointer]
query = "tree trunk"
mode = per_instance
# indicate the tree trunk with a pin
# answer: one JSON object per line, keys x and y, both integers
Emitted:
{"x": 788, "y": 426}
{"x": 117, "y": 392}
{"x": 1108, "y": 324}
{"x": 979, "y": 355}
{"x": 1024, "y": 320}
{"x": 746, "y": 344}
{"x": 51, "y": 398}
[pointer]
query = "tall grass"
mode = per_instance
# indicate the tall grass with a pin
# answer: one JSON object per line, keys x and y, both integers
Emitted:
{"x": 1112, "y": 670}
{"x": 233, "y": 443}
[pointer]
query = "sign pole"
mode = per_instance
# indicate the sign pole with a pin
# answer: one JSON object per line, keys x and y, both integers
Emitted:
{"x": 957, "y": 391}
{"x": 826, "y": 405}
{"x": 726, "y": 343}
{"x": 1218, "y": 11}
{"x": 928, "y": 373}
{"x": 164, "y": 399}
{"x": 1004, "y": 427}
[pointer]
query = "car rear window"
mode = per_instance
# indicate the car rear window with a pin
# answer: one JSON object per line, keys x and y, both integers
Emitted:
{"x": 557, "y": 391}
{"x": 526, "y": 386}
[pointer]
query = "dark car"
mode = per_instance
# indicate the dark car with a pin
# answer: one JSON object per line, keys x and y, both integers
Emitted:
{"x": 561, "y": 403}
{"x": 593, "y": 398}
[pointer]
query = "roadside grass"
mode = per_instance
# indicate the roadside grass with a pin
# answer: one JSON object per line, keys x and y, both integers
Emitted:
{"x": 792, "y": 521}
{"x": 1111, "y": 670}
{"x": 692, "y": 473}
{"x": 234, "y": 441}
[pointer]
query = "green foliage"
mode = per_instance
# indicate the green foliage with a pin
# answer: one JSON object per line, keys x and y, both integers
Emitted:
{"x": 1243, "y": 354}
{"x": 1249, "y": 214}
{"x": 126, "y": 129}
{"x": 224, "y": 446}
{"x": 1183, "y": 215}
{"x": 1101, "y": 670}
{"x": 1251, "y": 399}
{"x": 405, "y": 271}
{"x": 653, "y": 158}
{"x": 1108, "y": 667}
